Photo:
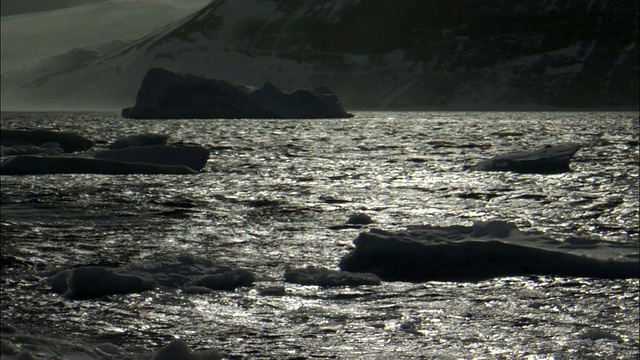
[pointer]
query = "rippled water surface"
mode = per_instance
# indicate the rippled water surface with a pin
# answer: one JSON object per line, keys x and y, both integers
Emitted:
{"x": 275, "y": 193}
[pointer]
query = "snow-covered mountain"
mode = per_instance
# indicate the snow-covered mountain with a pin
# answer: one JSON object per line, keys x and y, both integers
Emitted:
{"x": 13, "y": 7}
{"x": 456, "y": 54}
{"x": 29, "y": 38}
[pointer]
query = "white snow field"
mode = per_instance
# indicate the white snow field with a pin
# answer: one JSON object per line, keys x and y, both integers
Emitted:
{"x": 28, "y": 38}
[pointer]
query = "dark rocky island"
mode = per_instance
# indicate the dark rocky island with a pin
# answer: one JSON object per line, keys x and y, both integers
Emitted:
{"x": 166, "y": 95}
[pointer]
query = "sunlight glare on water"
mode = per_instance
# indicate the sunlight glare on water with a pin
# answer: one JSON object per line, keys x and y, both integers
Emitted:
{"x": 275, "y": 193}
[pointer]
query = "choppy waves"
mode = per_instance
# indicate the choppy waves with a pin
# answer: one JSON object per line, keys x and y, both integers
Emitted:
{"x": 278, "y": 193}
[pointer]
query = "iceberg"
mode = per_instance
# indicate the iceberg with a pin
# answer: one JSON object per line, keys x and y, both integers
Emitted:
{"x": 164, "y": 94}
{"x": 482, "y": 251}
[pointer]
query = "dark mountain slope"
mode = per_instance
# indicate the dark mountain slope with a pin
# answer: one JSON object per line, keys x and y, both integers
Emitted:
{"x": 458, "y": 54}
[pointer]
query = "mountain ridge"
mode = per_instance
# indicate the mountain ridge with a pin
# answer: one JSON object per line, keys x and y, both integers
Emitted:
{"x": 461, "y": 54}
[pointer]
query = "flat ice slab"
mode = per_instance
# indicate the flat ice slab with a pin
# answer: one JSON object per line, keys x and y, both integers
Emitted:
{"x": 482, "y": 251}
{"x": 68, "y": 141}
{"x": 179, "y": 271}
{"x": 38, "y": 165}
{"x": 311, "y": 275}
{"x": 546, "y": 160}
{"x": 18, "y": 345}
{"x": 193, "y": 156}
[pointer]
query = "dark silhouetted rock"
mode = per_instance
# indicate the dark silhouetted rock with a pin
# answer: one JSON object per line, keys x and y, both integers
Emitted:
{"x": 167, "y": 95}
{"x": 37, "y": 165}
{"x": 193, "y": 156}
{"x": 69, "y": 142}
{"x": 482, "y": 251}
{"x": 324, "y": 277}
{"x": 548, "y": 160}
{"x": 139, "y": 140}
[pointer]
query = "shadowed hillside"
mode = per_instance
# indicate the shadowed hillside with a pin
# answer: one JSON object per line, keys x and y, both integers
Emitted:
{"x": 457, "y": 54}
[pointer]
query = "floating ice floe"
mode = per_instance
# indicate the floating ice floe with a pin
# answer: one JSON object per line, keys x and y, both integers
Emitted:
{"x": 547, "y": 160}
{"x": 156, "y": 159}
{"x": 68, "y": 141}
{"x": 147, "y": 139}
{"x": 38, "y": 165}
{"x": 193, "y": 156}
{"x": 181, "y": 271}
{"x": 49, "y": 148}
{"x": 485, "y": 250}
{"x": 311, "y": 275}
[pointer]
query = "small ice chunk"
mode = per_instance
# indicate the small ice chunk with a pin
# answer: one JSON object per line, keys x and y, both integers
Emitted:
{"x": 359, "y": 219}
{"x": 228, "y": 280}
{"x": 311, "y": 275}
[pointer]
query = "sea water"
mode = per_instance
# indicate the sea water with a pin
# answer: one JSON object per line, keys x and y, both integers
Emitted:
{"x": 275, "y": 193}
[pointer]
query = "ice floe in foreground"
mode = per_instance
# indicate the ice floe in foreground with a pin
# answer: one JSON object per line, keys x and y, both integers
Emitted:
{"x": 311, "y": 275}
{"x": 49, "y": 148}
{"x": 19, "y": 346}
{"x": 40, "y": 165}
{"x": 134, "y": 154}
{"x": 193, "y": 156}
{"x": 68, "y": 141}
{"x": 180, "y": 271}
{"x": 144, "y": 139}
{"x": 485, "y": 250}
